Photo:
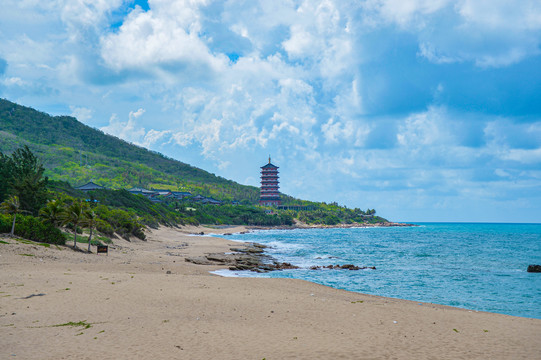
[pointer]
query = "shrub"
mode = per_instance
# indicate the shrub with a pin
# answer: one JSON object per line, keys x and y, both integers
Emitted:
{"x": 5, "y": 223}
{"x": 104, "y": 227}
{"x": 32, "y": 228}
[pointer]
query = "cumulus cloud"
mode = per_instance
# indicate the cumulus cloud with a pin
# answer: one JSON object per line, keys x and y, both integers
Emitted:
{"x": 126, "y": 130}
{"x": 423, "y": 129}
{"x": 167, "y": 35}
{"x": 131, "y": 130}
{"x": 81, "y": 113}
{"x": 86, "y": 13}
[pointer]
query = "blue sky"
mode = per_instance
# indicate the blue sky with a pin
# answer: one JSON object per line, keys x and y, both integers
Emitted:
{"x": 427, "y": 110}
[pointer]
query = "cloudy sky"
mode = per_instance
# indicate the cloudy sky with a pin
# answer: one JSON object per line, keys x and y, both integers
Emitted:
{"x": 427, "y": 110}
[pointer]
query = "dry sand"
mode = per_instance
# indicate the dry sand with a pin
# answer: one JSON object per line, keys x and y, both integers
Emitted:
{"x": 136, "y": 310}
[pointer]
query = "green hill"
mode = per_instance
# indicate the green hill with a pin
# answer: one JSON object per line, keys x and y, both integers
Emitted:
{"x": 76, "y": 153}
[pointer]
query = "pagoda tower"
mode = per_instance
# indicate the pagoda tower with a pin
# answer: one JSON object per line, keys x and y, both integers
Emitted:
{"x": 270, "y": 196}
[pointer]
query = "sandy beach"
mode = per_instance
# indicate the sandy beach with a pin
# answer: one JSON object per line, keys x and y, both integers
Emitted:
{"x": 144, "y": 301}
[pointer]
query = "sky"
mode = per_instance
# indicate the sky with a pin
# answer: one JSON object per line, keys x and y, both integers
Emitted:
{"x": 426, "y": 110}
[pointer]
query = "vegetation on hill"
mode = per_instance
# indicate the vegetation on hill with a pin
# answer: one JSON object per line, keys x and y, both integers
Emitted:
{"x": 49, "y": 155}
{"x": 71, "y": 151}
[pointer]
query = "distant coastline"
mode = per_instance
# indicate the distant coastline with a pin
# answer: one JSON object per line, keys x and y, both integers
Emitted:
{"x": 299, "y": 225}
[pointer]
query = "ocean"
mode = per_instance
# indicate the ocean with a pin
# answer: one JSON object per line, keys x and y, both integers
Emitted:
{"x": 468, "y": 265}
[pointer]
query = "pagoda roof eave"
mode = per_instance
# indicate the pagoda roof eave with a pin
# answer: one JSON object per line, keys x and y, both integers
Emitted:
{"x": 269, "y": 165}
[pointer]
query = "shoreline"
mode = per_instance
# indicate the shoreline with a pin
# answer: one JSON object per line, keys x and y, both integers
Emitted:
{"x": 144, "y": 300}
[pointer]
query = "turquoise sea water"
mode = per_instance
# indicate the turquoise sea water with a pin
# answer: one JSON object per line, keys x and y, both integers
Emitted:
{"x": 473, "y": 266}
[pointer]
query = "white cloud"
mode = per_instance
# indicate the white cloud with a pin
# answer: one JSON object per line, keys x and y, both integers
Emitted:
{"x": 87, "y": 13}
{"x": 126, "y": 130}
{"x": 429, "y": 52}
{"x": 154, "y": 136}
{"x": 501, "y": 14}
{"x": 167, "y": 36}
{"x": 14, "y": 81}
{"x": 349, "y": 132}
{"x": 424, "y": 129}
{"x": 405, "y": 13}
{"x": 82, "y": 114}
{"x": 300, "y": 44}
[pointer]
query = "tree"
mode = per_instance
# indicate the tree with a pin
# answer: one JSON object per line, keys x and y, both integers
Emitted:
{"x": 27, "y": 181}
{"x": 52, "y": 212}
{"x": 12, "y": 206}
{"x": 6, "y": 166}
{"x": 89, "y": 222}
{"x": 74, "y": 214}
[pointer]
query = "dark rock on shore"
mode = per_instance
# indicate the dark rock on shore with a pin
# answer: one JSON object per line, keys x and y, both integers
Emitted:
{"x": 250, "y": 257}
{"x": 199, "y": 260}
{"x": 534, "y": 268}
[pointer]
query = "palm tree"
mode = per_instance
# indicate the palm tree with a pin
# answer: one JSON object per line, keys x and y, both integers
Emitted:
{"x": 52, "y": 212}
{"x": 89, "y": 221}
{"x": 12, "y": 206}
{"x": 74, "y": 214}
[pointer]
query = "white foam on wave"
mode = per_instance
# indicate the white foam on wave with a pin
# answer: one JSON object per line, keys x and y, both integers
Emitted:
{"x": 232, "y": 273}
{"x": 278, "y": 246}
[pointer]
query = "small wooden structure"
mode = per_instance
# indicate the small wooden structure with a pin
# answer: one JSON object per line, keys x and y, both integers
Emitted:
{"x": 103, "y": 249}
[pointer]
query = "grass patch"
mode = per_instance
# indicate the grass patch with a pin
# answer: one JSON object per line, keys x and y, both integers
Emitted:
{"x": 455, "y": 330}
{"x": 103, "y": 239}
{"x": 26, "y": 254}
{"x": 3, "y": 242}
{"x": 30, "y": 242}
{"x": 357, "y": 302}
{"x": 83, "y": 239}
{"x": 82, "y": 323}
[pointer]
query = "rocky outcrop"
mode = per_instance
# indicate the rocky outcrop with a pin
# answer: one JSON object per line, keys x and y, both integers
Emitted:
{"x": 250, "y": 257}
{"x": 534, "y": 268}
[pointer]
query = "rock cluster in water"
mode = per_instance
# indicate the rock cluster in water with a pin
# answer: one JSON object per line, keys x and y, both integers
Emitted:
{"x": 534, "y": 268}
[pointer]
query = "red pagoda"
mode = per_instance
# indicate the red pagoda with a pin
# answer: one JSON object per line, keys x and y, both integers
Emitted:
{"x": 270, "y": 196}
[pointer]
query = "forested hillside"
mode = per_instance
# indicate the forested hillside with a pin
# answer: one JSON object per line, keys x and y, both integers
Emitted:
{"x": 73, "y": 152}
